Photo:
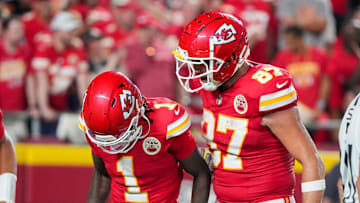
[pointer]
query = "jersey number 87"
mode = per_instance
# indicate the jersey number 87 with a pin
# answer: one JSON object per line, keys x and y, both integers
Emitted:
{"x": 230, "y": 158}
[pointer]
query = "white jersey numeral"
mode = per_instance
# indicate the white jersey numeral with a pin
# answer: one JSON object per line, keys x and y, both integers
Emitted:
{"x": 239, "y": 126}
{"x": 263, "y": 76}
{"x": 125, "y": 166}
{"x": 170, "y": 106}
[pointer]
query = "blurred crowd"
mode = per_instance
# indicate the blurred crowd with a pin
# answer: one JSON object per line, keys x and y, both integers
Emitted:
{"x": 51, "y": 49}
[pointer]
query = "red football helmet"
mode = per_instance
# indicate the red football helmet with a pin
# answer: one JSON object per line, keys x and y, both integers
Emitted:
{"x": 215, "y": 40}
{"x": 112, "y": 108}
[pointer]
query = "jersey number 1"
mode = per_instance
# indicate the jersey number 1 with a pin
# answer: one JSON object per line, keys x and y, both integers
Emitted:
{"x": 125, "y": 166}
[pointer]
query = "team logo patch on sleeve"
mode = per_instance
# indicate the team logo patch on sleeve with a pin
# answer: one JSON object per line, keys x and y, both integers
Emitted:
{"x": 151, "y": 145}
{"x": 240, "y": 104}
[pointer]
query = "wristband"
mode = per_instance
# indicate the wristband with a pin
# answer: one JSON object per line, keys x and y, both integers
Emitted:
{"x": 312, "y": 186}
{"x": 7, "y": 187}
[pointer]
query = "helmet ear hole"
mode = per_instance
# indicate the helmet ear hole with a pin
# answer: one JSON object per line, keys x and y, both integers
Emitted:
{"x": 227, "y": 63}
{"x": 121, "y": 85}
{"x": 113, "y": 102}
{"x": 234, "y": 56}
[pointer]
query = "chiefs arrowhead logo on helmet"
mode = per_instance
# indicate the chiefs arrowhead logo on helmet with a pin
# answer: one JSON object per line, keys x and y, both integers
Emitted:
{"x": 127, "y": 103}
{"x": 225, "y": 34}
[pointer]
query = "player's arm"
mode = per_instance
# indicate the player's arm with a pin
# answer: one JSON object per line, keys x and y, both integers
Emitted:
{"x": 82, "y": 77}
{"x": 287, "y": 127}
{"x": 100, "y": 182}
{"x": 195, "y": 165}
{"x": 182, "y": 145}
{"x": 43, "y": 96}
{"x": 7, "y": 170}
{"x": 41, "y": 63}
{"x": 82, "y": 80}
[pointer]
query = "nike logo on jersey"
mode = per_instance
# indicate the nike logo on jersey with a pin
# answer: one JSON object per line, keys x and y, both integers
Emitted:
{"x": 177, "y": 111}
{"x": 280, "y": 85}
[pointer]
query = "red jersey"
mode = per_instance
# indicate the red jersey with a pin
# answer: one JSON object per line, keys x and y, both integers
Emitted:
{"x": 33, "y": 25}
{"x": 150, "y": 171}
{"x": 306, "y": 71}
{"x": 2, "y": 129}
{"x": 13, "y": 69}
{"x": 341, "y": 66}
{"x": 102, "y": 20}
{"x": 250, "y": 163}
{"x": 62, "y": 68}
{"x": 162, "y": 65}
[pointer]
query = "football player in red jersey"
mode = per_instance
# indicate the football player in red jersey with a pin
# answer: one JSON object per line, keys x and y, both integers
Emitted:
{"x": 250, "y": 119}
{"x": 138, "y": 143}
{"x": 7, "y": 167}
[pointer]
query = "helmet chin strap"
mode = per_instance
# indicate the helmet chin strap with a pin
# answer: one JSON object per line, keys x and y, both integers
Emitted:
{"x": 242, "y": 59}
{"x": 142, "y": 113}
{"x": 212, "y": 86}
{"x": 136, "y": 138}
{"x": 245, "y": 52}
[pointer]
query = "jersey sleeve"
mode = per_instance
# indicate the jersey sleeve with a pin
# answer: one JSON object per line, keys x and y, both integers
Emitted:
{"x": 180, "y": 141}
{"x": 182, "y": 146}
{"x": 279, "y": 94}
{"x": 179, "y": 122}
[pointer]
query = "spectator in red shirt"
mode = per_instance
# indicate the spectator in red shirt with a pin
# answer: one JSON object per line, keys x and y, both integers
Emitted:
{"x": 16, "y": 77}
{"x": 124, "y": 13}
{"x": 149, "y": 63}
{"x": 307, "y": 65}
{"x": 17, "y": 90}
{"x": 37, "y": 20}
{"x": 104, "y": 20}
{"x": 59, "y": 60}
{"x": 344, "y": 66}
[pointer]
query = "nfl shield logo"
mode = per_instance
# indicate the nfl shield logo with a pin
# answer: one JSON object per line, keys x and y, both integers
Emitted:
{"x": 219, "y": 100}
{"x": 240, "y": 104}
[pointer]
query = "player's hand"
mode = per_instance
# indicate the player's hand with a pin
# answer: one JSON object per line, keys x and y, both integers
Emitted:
{"x": 207, "y": 156}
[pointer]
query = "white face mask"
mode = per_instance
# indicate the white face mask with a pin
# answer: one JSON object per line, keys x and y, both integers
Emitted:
{"x": 186, "y": 72}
